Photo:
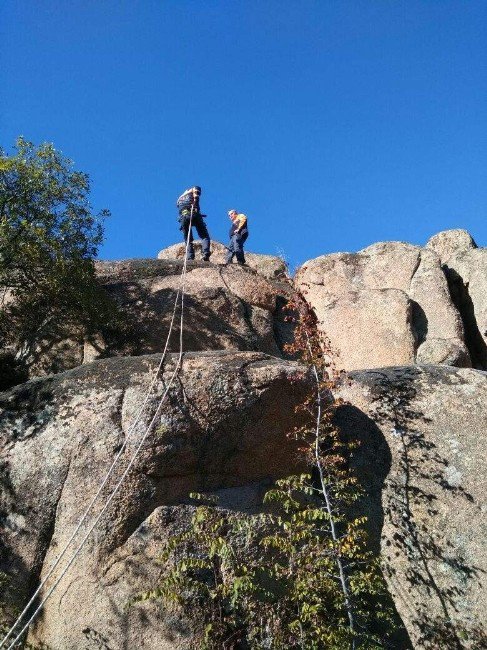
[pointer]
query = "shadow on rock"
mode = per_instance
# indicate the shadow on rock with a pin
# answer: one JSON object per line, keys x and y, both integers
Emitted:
{"x": 214, "y": 319}
{"x": 462, "y": 300}
{"x": 371, "y": 464}
{"x": 417, "y": 559}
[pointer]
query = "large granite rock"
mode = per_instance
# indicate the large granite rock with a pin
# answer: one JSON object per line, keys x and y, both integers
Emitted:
{"x": 422, "y": 461}
{"x": 269, "y": 266}
{"x": 226, "y": 308}
{"x": 465, "y": 266}
{"x": 386, "y": 305}
{"x": 422, "y": 430}
{"x": 222, "y": 428}
{"x": 449, "y": 243}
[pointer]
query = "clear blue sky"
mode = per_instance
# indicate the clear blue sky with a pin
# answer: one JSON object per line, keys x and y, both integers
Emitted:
{"x": 332, "y": 124}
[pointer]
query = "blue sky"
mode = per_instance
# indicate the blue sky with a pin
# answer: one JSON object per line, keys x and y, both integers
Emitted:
{"x": 332, "y": 124}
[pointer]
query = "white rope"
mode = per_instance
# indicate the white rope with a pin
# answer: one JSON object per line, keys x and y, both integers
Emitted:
{"x": 180, "y": 292}
{"x": 104, "y": 482}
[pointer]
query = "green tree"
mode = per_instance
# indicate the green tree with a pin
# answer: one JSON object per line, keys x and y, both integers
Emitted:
{"x": 49, "y": 236}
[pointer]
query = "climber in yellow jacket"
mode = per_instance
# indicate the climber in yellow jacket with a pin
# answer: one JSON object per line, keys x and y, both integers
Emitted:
{"x": 238, "y": 235}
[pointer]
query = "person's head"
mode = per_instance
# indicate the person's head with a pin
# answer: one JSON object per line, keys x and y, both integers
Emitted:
{"x": 232, "y": 214}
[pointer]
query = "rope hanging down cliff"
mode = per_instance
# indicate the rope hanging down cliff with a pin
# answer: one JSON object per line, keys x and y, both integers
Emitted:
{"x": 180, "y": 294}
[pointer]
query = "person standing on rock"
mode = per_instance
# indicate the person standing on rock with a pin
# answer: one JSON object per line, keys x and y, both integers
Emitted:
{"x": 238, "y": 236}
{"x": 188, "y": 206}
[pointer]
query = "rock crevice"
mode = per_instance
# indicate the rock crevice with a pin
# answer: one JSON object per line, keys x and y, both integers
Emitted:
{"x": 465, "y": 267}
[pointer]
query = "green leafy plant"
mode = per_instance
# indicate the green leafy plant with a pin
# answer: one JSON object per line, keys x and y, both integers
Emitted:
{"x": 299, "y": 574}
{"x": 48, "y": 239}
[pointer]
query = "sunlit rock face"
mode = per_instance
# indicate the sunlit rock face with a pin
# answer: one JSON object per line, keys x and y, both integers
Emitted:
{"x": 223, "y": 429}
{"x": 391, "y": 303}
{"x": 225, "y": 308}
{"x": 386, "y": 305}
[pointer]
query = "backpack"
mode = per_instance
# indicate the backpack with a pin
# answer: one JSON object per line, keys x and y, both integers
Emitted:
{"x": 186, "y": 200}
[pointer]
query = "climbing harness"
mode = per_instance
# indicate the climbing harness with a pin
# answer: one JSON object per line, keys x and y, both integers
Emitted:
{"x": 180, "y": 294}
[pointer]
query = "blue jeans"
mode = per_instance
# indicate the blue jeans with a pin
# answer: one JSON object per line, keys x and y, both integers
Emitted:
{"x": 202, "y": 231}
{"x": 235, "y": 248}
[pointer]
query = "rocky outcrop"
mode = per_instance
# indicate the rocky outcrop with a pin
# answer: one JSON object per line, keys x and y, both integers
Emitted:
{"x": 226, "y": 308}
{"x": 389, "y": 304}
{"x": 223, "y": 430}
{"x": 223, "y": 427}
{"x": 465, "y": 266}
{"x": 449, "y": 243}
{"x": 386, "y": 305}
{"x": 268, "y": 266}
{"x": 421, "y": 460}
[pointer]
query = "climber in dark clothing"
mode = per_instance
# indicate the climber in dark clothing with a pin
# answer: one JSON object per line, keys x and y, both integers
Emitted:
{"x": 238, "y": 236}
{"x": 188, "y": 206}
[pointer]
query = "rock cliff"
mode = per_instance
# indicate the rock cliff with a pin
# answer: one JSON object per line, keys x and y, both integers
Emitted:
{"x": 225, "y": 308}
{"x": 421, "y": 460}
{"x": 389, "y": 310}
{"x": 223, "y": 430}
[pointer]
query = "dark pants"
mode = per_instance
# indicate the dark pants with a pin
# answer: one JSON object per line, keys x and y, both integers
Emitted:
{"x": 202, "y": 230}
{"x": 235, "y": 247}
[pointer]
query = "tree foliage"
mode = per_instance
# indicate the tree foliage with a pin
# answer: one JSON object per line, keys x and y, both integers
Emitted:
{"x": 299, "y": 574}
{"x": 49, "y": 236}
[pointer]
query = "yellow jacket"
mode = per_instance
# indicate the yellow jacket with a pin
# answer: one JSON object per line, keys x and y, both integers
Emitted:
{"x": 240, "y": 221}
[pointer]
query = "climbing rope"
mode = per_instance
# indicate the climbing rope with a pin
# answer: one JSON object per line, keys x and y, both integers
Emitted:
{"x": 180, "y": 294}
{"x": 102, "y": 485}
